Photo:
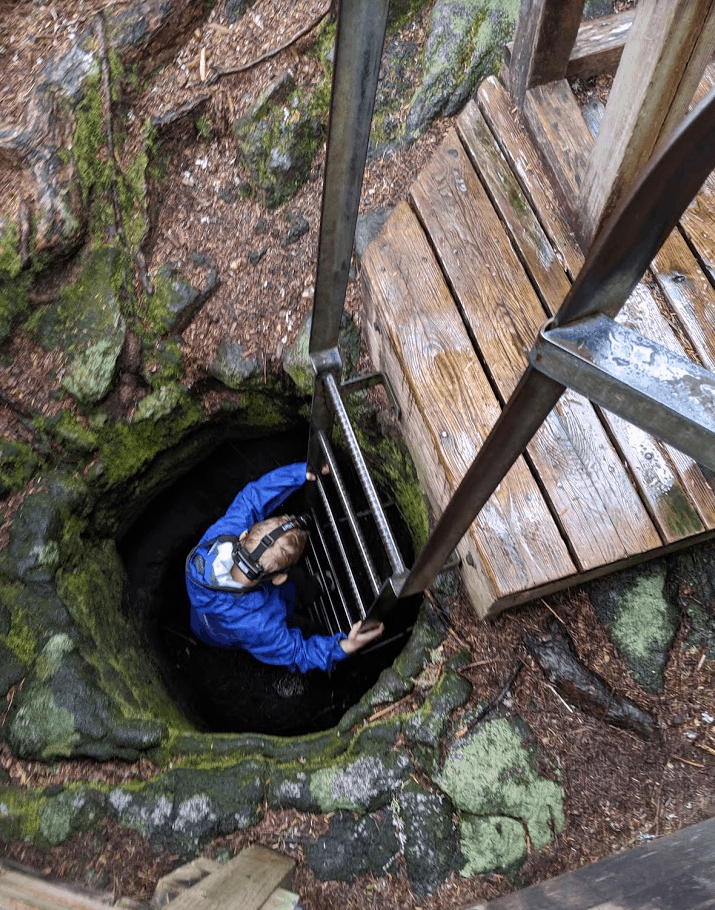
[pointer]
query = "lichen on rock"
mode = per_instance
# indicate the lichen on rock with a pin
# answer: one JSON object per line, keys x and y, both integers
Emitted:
{"x": 489, "y": 774}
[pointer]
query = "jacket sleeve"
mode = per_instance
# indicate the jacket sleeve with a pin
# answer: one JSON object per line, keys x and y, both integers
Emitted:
{"x": 286, "y": 647}
{"x": 258, "y": 499}
{"x": 257, "y": 623}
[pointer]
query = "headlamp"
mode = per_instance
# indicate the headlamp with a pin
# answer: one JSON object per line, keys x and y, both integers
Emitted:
{"x": 249, "y": 563}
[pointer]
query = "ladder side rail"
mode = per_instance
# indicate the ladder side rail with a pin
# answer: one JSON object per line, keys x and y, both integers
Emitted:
{"x": 359, "y": 39}
{"x": 614, "y": 265}
{"x": 358, "y": 50}
{"x": 348, "y": 510}
{"x": 383, "y": 527}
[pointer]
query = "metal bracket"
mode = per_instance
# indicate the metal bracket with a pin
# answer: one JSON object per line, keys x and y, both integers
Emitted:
{"x": 327, "y": 361}
{"x": 359, "y": 383}
{"x": 636, "y": 378}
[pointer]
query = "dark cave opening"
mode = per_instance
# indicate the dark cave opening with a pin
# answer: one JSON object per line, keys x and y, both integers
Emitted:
{"x": 226, "y": 689}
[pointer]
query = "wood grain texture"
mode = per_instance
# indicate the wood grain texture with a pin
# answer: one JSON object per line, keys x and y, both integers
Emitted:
{"x": 676, "y": 872}
{"x": 580, "y": 472}
{"x": 680, "y": 499}
{"x": 19, "y": 891}
{"x": 519, "y": 151}
{"x": 599, "y": 45}
{"x": 554, "y": 120}
{"x": 545, "y": 34}
{"x": 671, "y": 485}
{"x": 667, "y": 50}
{"x": 243, "y": 883}
{"x": 532, "y": 245}
{"x": 449, "y": 407}
{"x": 689, "y": 293}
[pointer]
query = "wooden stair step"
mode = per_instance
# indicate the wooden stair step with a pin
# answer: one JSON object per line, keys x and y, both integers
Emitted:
{"x": 581, "y": 474}
{"x": 246, "y": 882}
{"x": 671, "y": 485}
{"x": 416, "y": 335}
{"x": 23, "y": 891}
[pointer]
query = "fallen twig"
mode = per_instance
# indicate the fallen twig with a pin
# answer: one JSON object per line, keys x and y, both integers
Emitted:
{"x": 685, "y": 761}
{"x": 244, "y": 67}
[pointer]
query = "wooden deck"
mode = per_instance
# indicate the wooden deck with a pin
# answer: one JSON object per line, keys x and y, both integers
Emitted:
{"x": 676, "y": 872}
{"x": 458, "y": 283}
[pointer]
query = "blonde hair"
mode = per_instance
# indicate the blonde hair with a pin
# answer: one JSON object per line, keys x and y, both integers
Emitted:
{"x": 285, "y": 552}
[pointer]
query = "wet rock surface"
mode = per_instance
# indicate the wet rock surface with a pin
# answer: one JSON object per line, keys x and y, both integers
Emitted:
{"x": 416, "y": 774}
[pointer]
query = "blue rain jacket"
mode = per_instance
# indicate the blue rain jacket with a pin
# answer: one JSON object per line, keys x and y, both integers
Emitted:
{"x": 255, "y": 619}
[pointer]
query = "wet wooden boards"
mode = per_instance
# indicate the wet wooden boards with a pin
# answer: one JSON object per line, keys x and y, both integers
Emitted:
{"x": 457, "y": 286}
{"x": 676, "y": 872}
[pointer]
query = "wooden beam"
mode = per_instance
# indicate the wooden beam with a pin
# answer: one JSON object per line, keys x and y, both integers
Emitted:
{"x": 664, "y": 59}
{"x": 676, "y": 872}
{"x": 243, "y": 883}
{"x": 554, "y": 120}
{"x": 598, "y": 47}
{"x": 545, "y": 34}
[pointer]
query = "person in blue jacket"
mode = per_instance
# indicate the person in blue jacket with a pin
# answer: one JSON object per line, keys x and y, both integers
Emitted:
{"x": 237, "y": 580}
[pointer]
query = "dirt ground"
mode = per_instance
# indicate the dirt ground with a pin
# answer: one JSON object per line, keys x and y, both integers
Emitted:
{"x": 620, "y": 790}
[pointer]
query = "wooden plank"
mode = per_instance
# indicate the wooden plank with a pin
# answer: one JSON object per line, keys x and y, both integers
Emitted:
{"x": 599, "y": 45}
{"x": 545, "y": 34}
{"x": 676, "y": 872}
{"x": 495, "y": 105}
{"x": 663, "y": 61}
{"x": 554, "y": 120}
{"x": 580, "y": 472}
{"x": 539, "y": 258}
{"x": 281, "y": 900}
{"x": 688, "y": 292}
{"x": 243, "y": 883}
{"x": 415, "y": 335}
{"x": 672, "y": 486}
{"x": 19, "y": 891}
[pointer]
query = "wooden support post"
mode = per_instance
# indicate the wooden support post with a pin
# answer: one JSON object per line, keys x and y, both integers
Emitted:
{"x": 546, "y": 31}
{"x": 668, "y": 47}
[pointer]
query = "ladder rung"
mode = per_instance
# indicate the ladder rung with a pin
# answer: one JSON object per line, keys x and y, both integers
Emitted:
{"x": 349, "y": 512}
{"x": 383, "y": 528}
{"x": 341, "y": 548}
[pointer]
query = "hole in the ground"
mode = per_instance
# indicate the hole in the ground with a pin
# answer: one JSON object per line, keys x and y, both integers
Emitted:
{"x": 227, "y": 690}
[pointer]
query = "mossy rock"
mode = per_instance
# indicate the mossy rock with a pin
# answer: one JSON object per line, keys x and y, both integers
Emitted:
{"x": 362, "y": 784}
{"x": 18, "y": 463}
{"x": 354, "y": 847}
{"x": 634, "y": 607}
{"x": 691, "y": 586}
{"x": 13, "y": 284}
{"x": 490, "y": 774}
{"x": 175, "y": 301}
{"x": 72, "y": 811}
{"x": 279, "y": 137}
{"x": 88, "y": 325}
{"x": 296, "y": 357}
{"x": 493, "y": 844}
{"x": 62, "y": 711}
{"x": 464, "y": 45}
{"x": 431, "y": 846}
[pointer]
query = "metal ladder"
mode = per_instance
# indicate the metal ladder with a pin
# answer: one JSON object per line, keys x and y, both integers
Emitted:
{"x": 581, "y": 347}
{"x": 354, "y": 552}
